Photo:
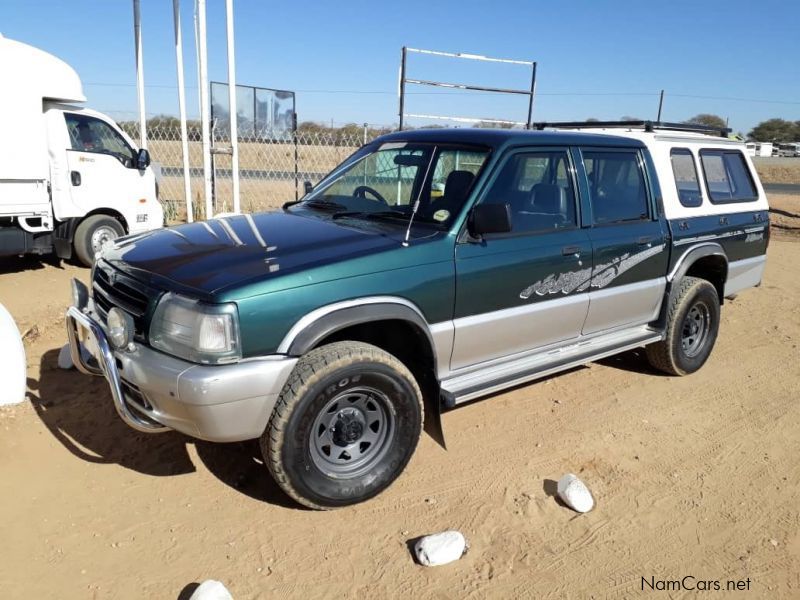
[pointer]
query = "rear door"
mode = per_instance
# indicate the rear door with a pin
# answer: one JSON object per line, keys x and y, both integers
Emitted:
{"x": 525, "y": 289}
{"x": 629, "y": 240}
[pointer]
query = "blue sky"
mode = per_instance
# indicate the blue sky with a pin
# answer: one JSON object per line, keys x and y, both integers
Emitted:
{"x": 599, "y": 59}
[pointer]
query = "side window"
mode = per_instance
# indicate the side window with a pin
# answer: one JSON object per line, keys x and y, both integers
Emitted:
{"x": 616, "y": 186}
{"x": 88, "y": 134}
{"x": 454, "y": 173}
{"x": 538, "y": 188}
{"x": 685, "y": 172}
{"x": 727, "y": 176}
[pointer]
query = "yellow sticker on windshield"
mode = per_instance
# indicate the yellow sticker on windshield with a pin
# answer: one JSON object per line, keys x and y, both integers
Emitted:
{"x": 441, "y": 215}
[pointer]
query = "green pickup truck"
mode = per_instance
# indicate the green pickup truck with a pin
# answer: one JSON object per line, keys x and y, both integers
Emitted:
{"x": 431, "y": 268}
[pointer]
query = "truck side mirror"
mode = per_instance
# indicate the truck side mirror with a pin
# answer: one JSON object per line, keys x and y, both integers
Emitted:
{"x": 142, "y": 159}
{"x": 307, "y": 187}
{"x": 489, "y": 218}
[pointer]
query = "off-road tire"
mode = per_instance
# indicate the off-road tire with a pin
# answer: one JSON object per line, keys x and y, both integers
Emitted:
{"x": 669, "y": 354}
{"x": 318, "y": 380}
{"x": 86, "y": 229}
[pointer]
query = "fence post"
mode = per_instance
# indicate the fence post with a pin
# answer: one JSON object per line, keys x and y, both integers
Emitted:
{"x": 137, "y": 36}
{"x": 232, "y": 107}
{"x": 205, "y": 118}
{"x": 187, "y": 186}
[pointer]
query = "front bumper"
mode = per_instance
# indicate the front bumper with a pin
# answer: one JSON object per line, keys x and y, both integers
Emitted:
{"x": 155, "y": 392}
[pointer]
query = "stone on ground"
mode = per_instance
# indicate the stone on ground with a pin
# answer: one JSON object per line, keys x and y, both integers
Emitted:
{"x": 440, "y": 548}
{"x": 574, "y": 493}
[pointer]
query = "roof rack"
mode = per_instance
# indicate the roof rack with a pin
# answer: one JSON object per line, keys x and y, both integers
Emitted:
{"x": 646, "y": 125}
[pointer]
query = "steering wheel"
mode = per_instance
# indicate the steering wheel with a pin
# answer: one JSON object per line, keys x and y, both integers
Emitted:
{"x": 361, "y": 192}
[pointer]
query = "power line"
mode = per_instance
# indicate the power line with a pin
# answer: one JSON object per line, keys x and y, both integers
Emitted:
{"x": 392, "y": 93}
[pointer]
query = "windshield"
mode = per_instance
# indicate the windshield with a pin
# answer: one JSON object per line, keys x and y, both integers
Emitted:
{"x": 385, "y": 182}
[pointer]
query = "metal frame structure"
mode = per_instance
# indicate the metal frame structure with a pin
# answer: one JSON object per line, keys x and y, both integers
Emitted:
{"x": 232, "y": 109}
{"x": 646, "y": 125}
{"x": 404, "y": 79}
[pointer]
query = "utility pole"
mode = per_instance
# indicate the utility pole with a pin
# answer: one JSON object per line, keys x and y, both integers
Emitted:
{"x": 660, "y": 106}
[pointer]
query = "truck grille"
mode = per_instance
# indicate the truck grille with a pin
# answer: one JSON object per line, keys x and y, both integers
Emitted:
{"x": 112, "y": 288}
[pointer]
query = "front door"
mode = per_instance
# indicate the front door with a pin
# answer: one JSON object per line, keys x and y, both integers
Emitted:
{"x": 629, "y": 241}
{"x": 101, "y": 163}
{"x": 528, "y": 288}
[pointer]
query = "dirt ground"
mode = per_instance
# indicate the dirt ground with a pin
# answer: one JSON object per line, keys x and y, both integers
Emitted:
{"x": 693, "y": 476}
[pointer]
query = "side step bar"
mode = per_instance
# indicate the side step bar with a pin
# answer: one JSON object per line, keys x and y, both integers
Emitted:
{"x": 484, "y": 381}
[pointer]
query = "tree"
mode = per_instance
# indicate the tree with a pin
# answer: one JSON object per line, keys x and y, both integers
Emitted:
{"x": 708, "y": 120}
{"x": 776, "y": 130}
{"x": 629, "y": 118}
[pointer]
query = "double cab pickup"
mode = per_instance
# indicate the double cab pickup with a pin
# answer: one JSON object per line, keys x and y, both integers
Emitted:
{"x": 431, "y": 268}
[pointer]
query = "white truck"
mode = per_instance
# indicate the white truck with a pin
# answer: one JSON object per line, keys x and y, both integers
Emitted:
{"x": 70, "y": 178}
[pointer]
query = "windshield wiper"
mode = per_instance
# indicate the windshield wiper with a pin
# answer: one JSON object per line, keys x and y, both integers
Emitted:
{"x": 323, "y": 204}
{"x": 370, "y": 214}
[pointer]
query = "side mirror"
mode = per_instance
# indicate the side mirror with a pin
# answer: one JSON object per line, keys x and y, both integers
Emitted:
{"x": 308, "y": 187}
{"x": 489, "y": 218}
{"x": 142, "y": 159}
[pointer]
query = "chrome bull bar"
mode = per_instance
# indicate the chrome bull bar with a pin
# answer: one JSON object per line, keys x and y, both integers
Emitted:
{"x": 106, "y": 366}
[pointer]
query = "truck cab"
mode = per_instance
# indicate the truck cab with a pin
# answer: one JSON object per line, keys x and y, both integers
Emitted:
{"x": 70, "y": 179}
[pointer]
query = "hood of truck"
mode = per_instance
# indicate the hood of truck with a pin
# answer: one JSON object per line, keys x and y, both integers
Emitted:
{"x": 217, "y": 255}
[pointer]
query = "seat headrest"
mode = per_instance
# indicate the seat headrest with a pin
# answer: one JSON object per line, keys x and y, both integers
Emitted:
{"x": 548, "y": 198}
{"x": 457, "y": 185}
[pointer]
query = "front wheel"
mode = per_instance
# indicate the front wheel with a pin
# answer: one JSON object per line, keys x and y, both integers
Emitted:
{"x": 93, "y": 233}
{"x": 344, "y": 427}
{"x": 692, "y": 327}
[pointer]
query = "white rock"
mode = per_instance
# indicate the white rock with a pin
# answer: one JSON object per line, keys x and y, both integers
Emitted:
{"x": 575, "y": 494}
{"x": 211, "y": 589}
{"x": 65, "y": 358}
{"x": 440, "y": 548}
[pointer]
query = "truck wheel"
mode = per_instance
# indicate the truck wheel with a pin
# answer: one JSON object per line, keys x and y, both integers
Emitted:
{"x": 344, "y": 427}
{"x": 92, "y": 233}
{"x": 692, "y": 327}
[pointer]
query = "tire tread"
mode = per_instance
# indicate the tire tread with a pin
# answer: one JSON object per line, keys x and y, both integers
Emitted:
{"x": 310, "y": 368}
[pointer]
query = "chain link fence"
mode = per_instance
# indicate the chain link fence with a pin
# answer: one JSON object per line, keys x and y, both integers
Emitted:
{"x": 270, "y": 172}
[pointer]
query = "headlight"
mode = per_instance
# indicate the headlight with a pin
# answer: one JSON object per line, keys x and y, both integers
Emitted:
{"x": 203, "y": 333}
{"x": 120, "y": 328}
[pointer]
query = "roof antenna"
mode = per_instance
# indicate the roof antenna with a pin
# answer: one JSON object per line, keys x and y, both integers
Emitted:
{"x": 419, "y": 195}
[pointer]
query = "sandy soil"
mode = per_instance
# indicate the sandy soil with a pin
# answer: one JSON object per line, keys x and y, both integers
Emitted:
{"x": 693, "y": 476}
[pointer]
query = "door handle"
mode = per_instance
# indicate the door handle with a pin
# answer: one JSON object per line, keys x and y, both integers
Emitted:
{"x": 75, "y": 177}
{"x": 571, "y": 251}
{"x": 645, "y": 239}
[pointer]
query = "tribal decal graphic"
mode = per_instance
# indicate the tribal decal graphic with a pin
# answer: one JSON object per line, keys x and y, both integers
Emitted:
{"x": 599, "y": 277}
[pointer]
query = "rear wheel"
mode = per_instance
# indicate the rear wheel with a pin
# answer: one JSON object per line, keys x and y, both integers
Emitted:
{"x": 692, "y": 327}
{"x": 93, "y": 233}
{"x": 344, "y": 427}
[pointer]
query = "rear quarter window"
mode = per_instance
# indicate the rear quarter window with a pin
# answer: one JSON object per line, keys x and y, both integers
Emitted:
{"x": 686, "y": 181}
{"x": 727, "y": 177}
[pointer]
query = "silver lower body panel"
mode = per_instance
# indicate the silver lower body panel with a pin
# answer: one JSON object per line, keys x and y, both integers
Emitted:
{"x": 743, "y": 274}
{"x": 494, "y": 376}
{"x": 155, "y": 392}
